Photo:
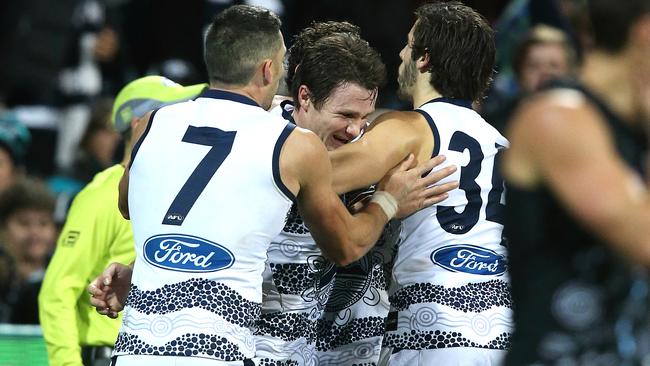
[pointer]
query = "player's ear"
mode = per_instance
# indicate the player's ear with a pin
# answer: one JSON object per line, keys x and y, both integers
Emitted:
{"x": 304, "y": 97}
{"x": 267, "y": 71}
{"x": 422, "y": 62}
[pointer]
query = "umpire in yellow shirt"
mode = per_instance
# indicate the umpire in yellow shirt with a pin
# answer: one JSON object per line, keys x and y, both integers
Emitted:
{"x": 94, "y": 236}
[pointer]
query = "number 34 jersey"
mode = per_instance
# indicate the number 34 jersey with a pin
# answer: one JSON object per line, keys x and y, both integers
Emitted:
{"x": 205, "y": 200}
{"x": 450, "y": 286}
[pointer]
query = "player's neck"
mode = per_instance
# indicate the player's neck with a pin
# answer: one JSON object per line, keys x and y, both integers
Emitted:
{"x": 610, "y": 77}
{"x": 423, "y": 94}
{"x": 299, "y": 117}
{"x": 248, "y": 91}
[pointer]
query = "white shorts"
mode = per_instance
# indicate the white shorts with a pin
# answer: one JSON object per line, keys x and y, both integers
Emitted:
{"x": 460, "y": 356}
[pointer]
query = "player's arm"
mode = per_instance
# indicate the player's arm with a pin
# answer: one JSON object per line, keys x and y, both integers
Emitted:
{"x": 560, "y": 139}
{"x": 390, "y": 139}
{"x": 79, "y": 249}
{"x": 306, "y": 170}
{"x": 137, "y": 129}
{"x": 366, "y": 161}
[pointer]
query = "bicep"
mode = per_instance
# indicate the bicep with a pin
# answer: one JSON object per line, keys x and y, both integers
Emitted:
{"x": 577, "y": 157}
{"x": 366, "y": 161}
{"x": 319, "y": 206}
{"x": 316, "y": 198}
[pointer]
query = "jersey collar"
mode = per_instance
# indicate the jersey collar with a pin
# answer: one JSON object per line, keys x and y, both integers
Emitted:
{"x": 226, "y": 95}
{"x": 459, "y": 102}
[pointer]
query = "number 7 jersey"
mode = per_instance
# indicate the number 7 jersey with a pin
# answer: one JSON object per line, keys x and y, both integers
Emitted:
{"x": 450, "y": 286}
{"x": 205, "y": 200}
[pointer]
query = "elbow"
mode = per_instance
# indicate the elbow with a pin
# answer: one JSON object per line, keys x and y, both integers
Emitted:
{"x": 342, "y": 261}
{"x": 347, "y": 255}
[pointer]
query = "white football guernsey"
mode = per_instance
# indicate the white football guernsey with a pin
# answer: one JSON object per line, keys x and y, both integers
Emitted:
{"x": 205, "y": 200}
{"x": 450, "y": 288}
{"x": 297, "y": 282}
{"x": 353, "y": 325}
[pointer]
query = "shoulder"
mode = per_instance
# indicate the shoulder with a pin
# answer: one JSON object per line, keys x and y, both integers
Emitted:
{"x": 555, "y": 127}
{"x": 406, "y": 127}
{"x": 304, "y": 141}
{"x": 303, "y": 151}
{"x": 400, "y": 118}
{"x": 552, "y": 114}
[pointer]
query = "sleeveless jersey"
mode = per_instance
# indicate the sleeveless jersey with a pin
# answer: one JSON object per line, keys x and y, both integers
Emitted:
{"x": 450, "y": 284}
{"x": 297, "y": 282}
{"x": 205, "y": 200}
{"x": 578, "y": 301}
{"x": 315, "y": 313}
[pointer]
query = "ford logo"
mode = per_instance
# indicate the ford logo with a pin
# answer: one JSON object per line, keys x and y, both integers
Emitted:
{"x": 470, "y": 259}
{"x": 186, "y": 253}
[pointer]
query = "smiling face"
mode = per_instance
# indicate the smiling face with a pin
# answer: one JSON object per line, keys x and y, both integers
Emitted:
{"x": 30, "y": 234}
{"x": 342, "y": 117}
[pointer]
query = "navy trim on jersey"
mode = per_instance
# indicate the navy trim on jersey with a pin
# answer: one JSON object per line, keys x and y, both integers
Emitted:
{"x": 285, "y": 113}
{"x": 222, "y": 94}
{"x": 434, "y": 130}
{"x": 136, "y": 147}
{"x": 276, "y": 161}
{"x": 459, "y": 102}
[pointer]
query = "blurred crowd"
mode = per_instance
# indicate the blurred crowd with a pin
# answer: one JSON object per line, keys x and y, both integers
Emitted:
{"x": 63, "y": 65}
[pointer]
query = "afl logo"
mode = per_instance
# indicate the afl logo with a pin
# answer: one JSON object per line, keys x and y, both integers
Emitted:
{"x": 470, "y": 259}
{"x": 186, "y": 253}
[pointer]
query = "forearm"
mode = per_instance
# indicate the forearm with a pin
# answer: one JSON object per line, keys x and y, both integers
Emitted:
{"x": 345, "y": 238}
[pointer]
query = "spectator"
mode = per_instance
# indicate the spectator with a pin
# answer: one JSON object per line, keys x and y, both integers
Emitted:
{"x": 28, "y": 233}
{"x": 544, "y": 54}
{"x": 98, "y": 143}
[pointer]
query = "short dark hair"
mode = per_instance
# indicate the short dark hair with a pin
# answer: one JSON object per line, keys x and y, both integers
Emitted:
{"x": 26, "y": 193}
{"x": 308, "y": 36}
{"x": 611, "y": 21}
{"x": 460, "y": 45}
{"x": 337, "y": 60}
{"x": 238, "y": 39}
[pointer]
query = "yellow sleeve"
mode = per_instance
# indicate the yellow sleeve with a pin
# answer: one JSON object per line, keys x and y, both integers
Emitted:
{"x": 80, "y": 248}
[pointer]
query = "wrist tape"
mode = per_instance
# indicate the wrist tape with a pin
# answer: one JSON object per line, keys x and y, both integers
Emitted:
{"x": 386, "y": 201}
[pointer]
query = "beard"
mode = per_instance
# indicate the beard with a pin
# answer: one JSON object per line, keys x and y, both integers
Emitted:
{"x": 406, "y": 81}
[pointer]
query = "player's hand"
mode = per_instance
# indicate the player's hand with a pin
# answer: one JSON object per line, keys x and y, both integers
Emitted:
{"x": 426, "y": 192}
{"x": 110, "y": 289}
{"x": 414, "y": 192}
